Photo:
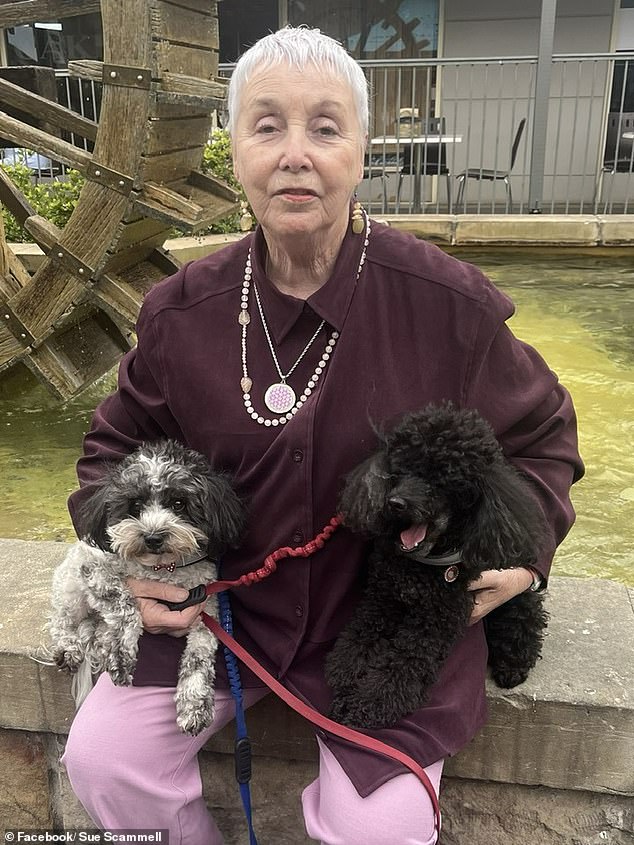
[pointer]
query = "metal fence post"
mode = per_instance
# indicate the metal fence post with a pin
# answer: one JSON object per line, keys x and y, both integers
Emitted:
{"x": 540, "y": 113}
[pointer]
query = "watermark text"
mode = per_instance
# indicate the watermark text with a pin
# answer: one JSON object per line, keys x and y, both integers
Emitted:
{"x": 97, "y": 837}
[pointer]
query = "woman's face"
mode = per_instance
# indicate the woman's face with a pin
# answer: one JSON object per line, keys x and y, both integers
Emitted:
{"x": 298, "y": 150}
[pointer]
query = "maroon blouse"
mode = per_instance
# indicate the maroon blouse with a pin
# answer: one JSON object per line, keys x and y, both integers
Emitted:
{"x": 419, "y": 326}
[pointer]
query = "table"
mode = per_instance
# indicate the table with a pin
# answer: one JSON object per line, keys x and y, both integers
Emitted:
{"x": 419, "y": 142}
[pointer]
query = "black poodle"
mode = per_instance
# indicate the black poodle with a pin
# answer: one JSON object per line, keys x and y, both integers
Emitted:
{"x": 442, "y": 505}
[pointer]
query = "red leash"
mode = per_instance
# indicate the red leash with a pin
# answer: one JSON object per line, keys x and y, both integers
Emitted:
{"x": 270, "y": 565}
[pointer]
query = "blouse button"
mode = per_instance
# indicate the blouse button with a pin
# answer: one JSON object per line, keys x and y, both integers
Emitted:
{"x": 297, "y": 538}
{"x": 299, "y": 611}
{"x": 298, "y": 456}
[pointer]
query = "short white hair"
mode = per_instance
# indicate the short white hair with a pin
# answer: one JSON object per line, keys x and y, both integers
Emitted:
{"x": 297, "y": 47}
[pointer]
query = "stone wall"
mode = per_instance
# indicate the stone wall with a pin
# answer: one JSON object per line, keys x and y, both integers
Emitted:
{"x": 553, "y": 766}
{"x": 581, "y": 232}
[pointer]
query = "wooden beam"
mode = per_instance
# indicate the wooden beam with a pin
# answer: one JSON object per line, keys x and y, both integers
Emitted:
{"x": 192, "y": 87}
{"x": 44, "y": 233}
{"x": 209, "y": 183}
{"x": 184, "y": 26}
{"x": 180, "y": 83}
{"x": 26, "y": 11}
{"x": 23, "y": 135}
{"x": 185, "y": 205}
{"x": 40, "y": 107}
{"x": 86, "y": 69}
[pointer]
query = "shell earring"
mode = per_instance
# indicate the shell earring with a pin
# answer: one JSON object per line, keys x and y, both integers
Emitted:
{"x": 358, "y": 221}
{"x": 246, "y": 220}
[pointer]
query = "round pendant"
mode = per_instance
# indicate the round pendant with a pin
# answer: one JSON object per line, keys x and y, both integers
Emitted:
{"x": 279, "y": 398}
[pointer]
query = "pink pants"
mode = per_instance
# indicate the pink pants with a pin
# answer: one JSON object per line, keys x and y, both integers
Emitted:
{"x": 131, "y": 767}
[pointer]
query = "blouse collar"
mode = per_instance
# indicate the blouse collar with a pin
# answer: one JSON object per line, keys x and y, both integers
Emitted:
{"x": 331, "y": 302}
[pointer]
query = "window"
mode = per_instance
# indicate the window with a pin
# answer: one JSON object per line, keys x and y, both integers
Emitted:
{"x": 374, "y": 29}
{"x": 54, "y": 44}
{"x": 242, "y": 22}
{"x": 618, "y": 152}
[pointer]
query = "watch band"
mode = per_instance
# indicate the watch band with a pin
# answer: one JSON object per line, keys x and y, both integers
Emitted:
{"x": 538, "y": 580}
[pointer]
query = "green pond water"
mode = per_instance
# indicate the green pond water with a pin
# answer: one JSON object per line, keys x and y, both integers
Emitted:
{"x": 579, "y": 312}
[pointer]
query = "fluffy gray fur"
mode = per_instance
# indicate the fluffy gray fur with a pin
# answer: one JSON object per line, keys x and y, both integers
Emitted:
{"x": 161, "y": 505}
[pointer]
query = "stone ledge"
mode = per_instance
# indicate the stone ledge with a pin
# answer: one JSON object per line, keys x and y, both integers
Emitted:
{"x": 534, "y": 229}
{"x": 583, "y": 231}
{"x": 587, "y": 231}
{"x": 571, "y": 726}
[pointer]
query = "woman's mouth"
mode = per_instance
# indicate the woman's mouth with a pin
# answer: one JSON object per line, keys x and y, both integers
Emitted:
{"x": 296, "y": 194}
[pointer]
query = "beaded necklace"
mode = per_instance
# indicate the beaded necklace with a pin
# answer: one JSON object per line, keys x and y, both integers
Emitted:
{"x": 279, "y": 397}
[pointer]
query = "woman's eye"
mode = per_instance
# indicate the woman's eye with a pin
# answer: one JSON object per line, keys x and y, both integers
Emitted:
{"x": 328, "y": 131}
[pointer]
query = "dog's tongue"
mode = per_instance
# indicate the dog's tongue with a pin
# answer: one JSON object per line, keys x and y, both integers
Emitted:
{"x": 412, "y": 536}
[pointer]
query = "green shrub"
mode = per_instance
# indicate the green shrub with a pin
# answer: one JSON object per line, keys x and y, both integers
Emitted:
{"x": 56, "y": 200}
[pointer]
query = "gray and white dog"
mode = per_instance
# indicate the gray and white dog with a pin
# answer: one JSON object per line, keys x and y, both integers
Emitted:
{"x": 162, "y": 514}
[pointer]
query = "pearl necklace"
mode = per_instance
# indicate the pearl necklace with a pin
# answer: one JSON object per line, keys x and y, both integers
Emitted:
{"x": 279, "y": 397}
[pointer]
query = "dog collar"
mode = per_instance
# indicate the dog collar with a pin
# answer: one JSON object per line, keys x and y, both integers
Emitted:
{"x": 188, "y": 561}
{"x": 450, "y": 561}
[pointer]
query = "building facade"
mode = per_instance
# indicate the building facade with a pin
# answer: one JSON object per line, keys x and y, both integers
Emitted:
{"x": 474, "y": 72}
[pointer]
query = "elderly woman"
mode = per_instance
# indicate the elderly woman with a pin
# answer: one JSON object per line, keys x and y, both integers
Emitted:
{"x": 277, "y": 357}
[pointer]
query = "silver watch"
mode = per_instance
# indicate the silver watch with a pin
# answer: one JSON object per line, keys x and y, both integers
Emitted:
{"x": 538, "y": 580}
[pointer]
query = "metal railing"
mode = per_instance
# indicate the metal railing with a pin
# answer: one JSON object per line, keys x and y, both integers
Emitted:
{"x": 479, "y": 104}
{"x": 589, "y": 161}
{"x": 438, "y": 124}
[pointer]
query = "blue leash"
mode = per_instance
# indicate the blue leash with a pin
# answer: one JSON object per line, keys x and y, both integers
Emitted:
{"x": 242, "y": 748}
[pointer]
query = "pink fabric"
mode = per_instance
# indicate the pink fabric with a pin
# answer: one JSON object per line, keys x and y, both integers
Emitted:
{"x": 399, "y": 812}
{"x": 131, "y": 767}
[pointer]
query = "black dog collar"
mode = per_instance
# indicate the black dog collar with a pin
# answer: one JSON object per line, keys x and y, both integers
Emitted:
{"x": 450, "y": 561}
{"x": 197, "y": 557}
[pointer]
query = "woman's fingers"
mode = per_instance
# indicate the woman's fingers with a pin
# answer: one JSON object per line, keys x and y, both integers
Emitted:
{"x": 157, "y": 617}
{"x": 494, "y": 587}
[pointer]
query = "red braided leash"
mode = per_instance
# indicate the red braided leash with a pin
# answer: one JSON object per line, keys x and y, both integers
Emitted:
{"x": 270, "y": 565}
{"x": 270, "y": 562}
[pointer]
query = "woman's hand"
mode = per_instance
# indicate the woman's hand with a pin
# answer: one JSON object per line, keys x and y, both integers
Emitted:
{"x": 157, "y": 617}
{"x": 495, "y": 586}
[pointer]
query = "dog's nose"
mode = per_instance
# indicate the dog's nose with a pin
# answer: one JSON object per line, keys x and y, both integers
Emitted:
{"x": 397, "y": 504}
{"x": 153, "y": 541}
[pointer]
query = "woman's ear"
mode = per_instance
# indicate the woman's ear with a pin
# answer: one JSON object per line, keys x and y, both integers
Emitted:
{"x": 234, "y": 161}
{"x": 364, "y": 150}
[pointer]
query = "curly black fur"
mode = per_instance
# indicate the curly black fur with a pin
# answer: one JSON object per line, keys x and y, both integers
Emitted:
{"x": 442, "y": 468}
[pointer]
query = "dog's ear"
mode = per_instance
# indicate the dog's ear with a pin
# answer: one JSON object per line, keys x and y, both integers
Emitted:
{"x": 364, "y": 492}
{"x": 93, "y": 518}
{"x": 507, "y": 527}
{"x": 224, "y": 512}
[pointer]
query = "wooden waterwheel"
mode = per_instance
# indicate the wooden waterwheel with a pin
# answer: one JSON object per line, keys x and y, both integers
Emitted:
{"x": 72, "y": 320}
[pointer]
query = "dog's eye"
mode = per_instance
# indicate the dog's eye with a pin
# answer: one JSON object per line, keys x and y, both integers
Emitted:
{"x": 178, "y": 505}
{"x": 135, "y": 507}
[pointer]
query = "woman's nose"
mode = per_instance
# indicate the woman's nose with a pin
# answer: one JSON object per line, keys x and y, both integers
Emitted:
{"x": 296, "y": 152}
